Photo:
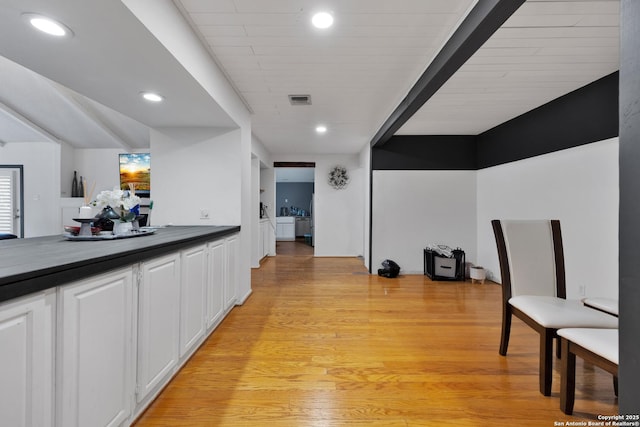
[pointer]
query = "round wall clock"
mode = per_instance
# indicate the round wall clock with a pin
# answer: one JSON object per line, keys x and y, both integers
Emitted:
{"x": 338, "y": 177}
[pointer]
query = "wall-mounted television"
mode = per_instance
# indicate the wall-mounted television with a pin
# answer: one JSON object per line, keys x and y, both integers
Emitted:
{"x": 135, "y": 168}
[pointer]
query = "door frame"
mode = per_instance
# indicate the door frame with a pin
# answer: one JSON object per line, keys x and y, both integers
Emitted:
{"x": 284, "y": 165}
{"x": 20, "y": 201}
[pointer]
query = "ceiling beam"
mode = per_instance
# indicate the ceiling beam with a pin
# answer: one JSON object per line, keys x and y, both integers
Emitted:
{"x": 481, "y": 22}
{"x": 29, "y": 123}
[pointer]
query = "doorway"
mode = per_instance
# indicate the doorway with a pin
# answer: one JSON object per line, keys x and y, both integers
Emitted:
{"x": 294, "y": 208}
{"x": 11, "y": 200}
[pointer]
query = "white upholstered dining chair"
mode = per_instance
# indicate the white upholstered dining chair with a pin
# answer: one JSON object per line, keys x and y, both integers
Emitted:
{"x": 597, "y": 346}
{"x": 534, "y": 289}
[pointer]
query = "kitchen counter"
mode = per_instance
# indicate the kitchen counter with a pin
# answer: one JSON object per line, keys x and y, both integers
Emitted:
{"x": 34, "y": 264}
{"x": 285, "y": 219}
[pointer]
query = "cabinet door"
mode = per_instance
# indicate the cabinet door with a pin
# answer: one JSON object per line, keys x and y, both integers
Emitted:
{"x": 266, "y": 240}
{"x": 215, "y": 282}
{"x": 231, "y": 278}
{"x": 306, "y": 226}
{"x": 26, "y": 360}
{"x": 158, "y": 322}
{"x": 289, "y": 231}
{"x": 260, "y": 250}
{"x": 95, "y": 356}
{"x": 193, "y": 266}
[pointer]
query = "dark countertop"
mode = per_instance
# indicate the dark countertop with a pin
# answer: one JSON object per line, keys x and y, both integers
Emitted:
{"x": 34, "y": 264}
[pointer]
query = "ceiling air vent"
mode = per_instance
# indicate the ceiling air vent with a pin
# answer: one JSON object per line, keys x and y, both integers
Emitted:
{"x": 300, "y": 99}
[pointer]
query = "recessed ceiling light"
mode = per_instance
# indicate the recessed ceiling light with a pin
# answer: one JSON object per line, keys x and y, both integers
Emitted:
{"x": 322, "y": 20}
{"x": 321, "y": 129}
{"x": 151, "y": 96}
{"x": 48, "y": 25}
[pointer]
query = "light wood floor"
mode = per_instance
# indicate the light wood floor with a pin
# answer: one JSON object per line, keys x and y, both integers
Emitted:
{"x": 322, "y": 343}
{"x": 294, "y": 248}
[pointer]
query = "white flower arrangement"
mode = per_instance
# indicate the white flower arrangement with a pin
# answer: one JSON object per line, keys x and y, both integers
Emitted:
{"x": 126, "y": 201}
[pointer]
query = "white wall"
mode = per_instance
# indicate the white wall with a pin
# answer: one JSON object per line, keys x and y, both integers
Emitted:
{"x": 41, "y": 161}
{"x": 101, "y": 165}
{"x": 266, "y": 187}
{"x": 268, "y": 184}
{"x": 195, "y": 169}
{"x": 365, "y": 162}
{"x": 166, "y": 23}
{"x": 67, "y": 166}
{"x": 578, "y": 186}
{"x": 268, "y": 190}
{"x": 415, "y": 208}
{"x": 338, "y": 219}
{"x": 256, "y": 249}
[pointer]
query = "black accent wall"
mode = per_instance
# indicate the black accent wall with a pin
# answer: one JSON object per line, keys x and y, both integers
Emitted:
{"x": 429, "y": 152}
{"x": 586, "y": 115}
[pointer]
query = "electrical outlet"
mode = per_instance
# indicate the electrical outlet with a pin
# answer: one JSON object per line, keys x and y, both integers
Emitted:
{"x": 204, "y": 213}
{"x": 583, "y": 290}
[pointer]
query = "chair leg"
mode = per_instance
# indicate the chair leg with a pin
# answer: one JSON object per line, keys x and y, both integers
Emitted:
{"x": 558, "y": 348}
{"x": 546, "y": 361}
{"x": 506, "y": 329}
{"x": 615, "y": 385}
{"x": 567, "y": 379}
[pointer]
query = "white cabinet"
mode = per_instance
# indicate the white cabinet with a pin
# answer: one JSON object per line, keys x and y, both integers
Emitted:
{"x": 230, "y": 281}
{"x": 216, "y": 282}
{"x": 222, "y": 280}
{"x": 261, "y": 241}
{"x": 26, "y": 360}
{"x": 95, "y": 355}
{"x": 97, "y": 351}
{"x": 266, "y": 237}
{"x": 193, "y": 284}
{"x": 158, "y": 323}
{"x": 303, "y": 226}
{"x": 285, "y": 228}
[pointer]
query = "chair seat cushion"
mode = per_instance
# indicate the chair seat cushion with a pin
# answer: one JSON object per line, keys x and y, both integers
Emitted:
{"x": 556, "y": 313}
{"x": 608, "y": 305}
{"x": 603, "y": 342}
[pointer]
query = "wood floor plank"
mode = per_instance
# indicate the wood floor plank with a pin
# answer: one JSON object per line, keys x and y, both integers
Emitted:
{"x": 322, "y": 343}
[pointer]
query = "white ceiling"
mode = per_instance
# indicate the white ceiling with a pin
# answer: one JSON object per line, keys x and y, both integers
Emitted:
{"x": 111, "y": 59}
{"x": 35, "y": 108}
{"x": 357, "y": 72}
{"x": 545, "y": 50}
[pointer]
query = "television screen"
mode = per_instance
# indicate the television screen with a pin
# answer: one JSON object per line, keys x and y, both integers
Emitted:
{"x": 135, "y": 168}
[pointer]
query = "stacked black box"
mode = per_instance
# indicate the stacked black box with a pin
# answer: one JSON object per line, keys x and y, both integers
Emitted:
{"x": 439, "y": 267}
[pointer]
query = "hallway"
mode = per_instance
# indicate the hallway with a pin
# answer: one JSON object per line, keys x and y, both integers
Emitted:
{"x": 322, "y": 343}
{"x": 293, "y": 248}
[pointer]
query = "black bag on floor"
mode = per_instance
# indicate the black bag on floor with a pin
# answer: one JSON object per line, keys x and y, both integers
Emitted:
{"x": 389, "y": 269}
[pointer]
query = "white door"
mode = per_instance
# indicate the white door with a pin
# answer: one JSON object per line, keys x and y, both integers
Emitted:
{"x": 95, "y": 354}
{"x": 193, "y": 266}
{"x": 231, "y": 276}
{"x": 10, "y": 213}
{"x": 26, "y": 360}
{"x": 158, "y": 322}
{"x": 216, "y": 283}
